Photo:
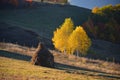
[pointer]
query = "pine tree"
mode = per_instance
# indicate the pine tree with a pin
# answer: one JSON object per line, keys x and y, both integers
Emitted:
{"x": 78, "y": 41}
{"x": 61, "y": 35}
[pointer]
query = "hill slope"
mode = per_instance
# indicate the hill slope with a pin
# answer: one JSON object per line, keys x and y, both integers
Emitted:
{"x": 28, "y": 25}
{"x": 23, "y": 70}
{"x": 43, "y": 18}
{"x": 28, "y": 72}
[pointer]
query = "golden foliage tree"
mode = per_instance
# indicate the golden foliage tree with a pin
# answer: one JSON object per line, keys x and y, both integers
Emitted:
{"x": 95, "y": 10}
{"x": 78, "y": 41}
{"x": 62, "y": 34}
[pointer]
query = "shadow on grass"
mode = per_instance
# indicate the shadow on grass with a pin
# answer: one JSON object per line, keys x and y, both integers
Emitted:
{"x": 79, "y": 70}
{"x": 68, "y": 68}
{"x": 14, "y": 55}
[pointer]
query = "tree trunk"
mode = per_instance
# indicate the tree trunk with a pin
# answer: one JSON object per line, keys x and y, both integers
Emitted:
{"x": 77, "y": 52}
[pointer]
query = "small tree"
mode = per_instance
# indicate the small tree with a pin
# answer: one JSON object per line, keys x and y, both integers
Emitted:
{"x": 95, "y": 10}
{"x": 67, "y": 39}
{"x": 78, "y": 41}
{"x": 62, "y": 34}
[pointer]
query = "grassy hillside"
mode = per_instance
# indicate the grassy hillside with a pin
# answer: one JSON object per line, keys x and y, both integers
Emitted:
{"x": 63, "y": 60}
{"x": 43, "y": 18}
{"x": 24, "y": 25}
{"x": 18, "y": 35}
{"x": 28, "y": 25}
{"x": 17, "y": 69}
{"x": 29, "y": 72}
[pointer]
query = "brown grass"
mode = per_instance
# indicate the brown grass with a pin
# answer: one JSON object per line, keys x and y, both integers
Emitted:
{"x": 24, "y": 71}
{"x": 11, "y": 69}
{"x": 91, "y": 64}
{"x": 17, "y": 48}
{"x": 82, "y": 62}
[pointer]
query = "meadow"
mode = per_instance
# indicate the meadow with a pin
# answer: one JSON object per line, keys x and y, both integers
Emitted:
{"x": 66, "y": 67}
{"x": 20, "y": 31}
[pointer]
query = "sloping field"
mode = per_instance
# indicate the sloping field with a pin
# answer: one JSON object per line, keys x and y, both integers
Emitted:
{"x": 69, "y": 64}
{"x": 43, "y": 18}
{"x": 11, "y": 69}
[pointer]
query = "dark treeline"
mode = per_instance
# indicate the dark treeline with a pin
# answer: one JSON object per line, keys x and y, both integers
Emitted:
{"x": 104, "y": 23}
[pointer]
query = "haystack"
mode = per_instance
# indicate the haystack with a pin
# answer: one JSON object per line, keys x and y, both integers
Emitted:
{"x": 42, "y": 57}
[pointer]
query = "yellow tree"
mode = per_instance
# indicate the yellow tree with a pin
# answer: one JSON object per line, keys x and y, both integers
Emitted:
{"x": 95, "y": 10}
{"x": 78, "y": 41}
{"x": 62, "y": 34}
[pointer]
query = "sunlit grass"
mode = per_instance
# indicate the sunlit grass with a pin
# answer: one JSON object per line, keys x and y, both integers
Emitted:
{"x": 22, "y": 70}
{"x": 97, "y": 65}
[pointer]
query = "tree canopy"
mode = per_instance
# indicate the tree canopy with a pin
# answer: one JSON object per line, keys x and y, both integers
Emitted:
{"x": 79, "y": 41}
{"x": 62, "y": 34}
{"x": 104, "y": 23}
{"x": 69, "y": 40}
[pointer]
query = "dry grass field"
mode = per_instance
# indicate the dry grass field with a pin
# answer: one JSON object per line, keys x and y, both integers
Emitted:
{"x": 11, "y": 69}
{"x": 67, "y": 67}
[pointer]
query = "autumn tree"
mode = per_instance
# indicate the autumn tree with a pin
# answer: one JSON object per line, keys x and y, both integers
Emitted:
{"x": 95, "y": 10}
{"x": 78, "y": 41}
{"x": 61, "y": 35}
{"x": 104, "y": 23}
